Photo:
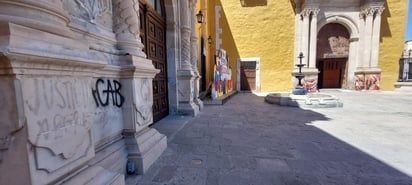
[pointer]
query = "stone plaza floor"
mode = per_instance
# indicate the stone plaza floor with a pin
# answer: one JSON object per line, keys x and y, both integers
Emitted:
{"x": 249, "y": 142}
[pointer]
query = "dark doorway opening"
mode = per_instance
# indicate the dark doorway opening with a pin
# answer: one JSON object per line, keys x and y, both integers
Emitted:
{"x": 247, "y": 75}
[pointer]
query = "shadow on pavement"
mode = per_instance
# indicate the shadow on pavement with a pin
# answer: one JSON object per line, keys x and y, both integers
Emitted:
{"x": 247, "y": 141}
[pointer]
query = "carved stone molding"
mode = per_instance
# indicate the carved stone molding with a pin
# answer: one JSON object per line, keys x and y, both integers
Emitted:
{"x": 371, "y": 11}
{"x": 315, "y": 11}
{"x": 48, "y": 16}
{"x": 94, "y": 8}
{"x": 310, "y": 11}
{"x": 306, "y": 12}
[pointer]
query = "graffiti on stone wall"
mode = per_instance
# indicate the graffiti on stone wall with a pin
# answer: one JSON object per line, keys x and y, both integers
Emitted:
{"x": 367, "y": 81}
{"x": 102, "y": 96}
{"x": 58, "y": 111}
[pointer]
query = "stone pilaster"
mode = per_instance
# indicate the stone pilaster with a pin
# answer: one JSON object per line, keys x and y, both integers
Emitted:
{"x": 186, "y": 75}
{"x": 313, "y": 38}
{"x": 305, "y": 34}
{"x": 298, "y": 34}
{"x": 367, "y": 36}
{"x": 194, "y": 55}
{"x": 368, "y": 75}
{"x": 127, "y": 27}
{"x": 376, "y": 37}
{"x": 144, "y": 144}
{"x": 361, "y": 41}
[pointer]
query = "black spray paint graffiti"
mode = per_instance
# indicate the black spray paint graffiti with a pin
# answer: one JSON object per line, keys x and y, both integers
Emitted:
{"x": 117, "y": 97}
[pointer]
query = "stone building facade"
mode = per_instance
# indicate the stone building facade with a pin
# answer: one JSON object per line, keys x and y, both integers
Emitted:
{"x": 340, "y": 40}
{"x": 82, "y": 81}
{"x": 349, "y": 44}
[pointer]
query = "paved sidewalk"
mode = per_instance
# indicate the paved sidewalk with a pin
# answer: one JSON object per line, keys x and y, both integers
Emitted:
{"x": 249, "y": 142}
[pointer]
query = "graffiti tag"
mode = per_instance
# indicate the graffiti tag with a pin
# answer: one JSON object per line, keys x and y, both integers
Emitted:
{"x": 111, "y": 92}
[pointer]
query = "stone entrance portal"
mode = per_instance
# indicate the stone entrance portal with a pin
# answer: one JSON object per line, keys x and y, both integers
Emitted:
{"x": 332, "y": 55}
{"x": 347, "y": 30}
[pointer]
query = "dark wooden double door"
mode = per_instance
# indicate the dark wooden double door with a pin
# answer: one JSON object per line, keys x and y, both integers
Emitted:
{"x": 332, "y": 72}
{"x": 152, "y": 33}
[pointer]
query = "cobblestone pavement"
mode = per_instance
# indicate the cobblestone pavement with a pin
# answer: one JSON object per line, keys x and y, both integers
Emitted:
{"x": 249, "y": 142}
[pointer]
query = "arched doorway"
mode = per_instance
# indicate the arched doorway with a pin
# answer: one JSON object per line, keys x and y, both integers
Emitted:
{"x": 332, "y": 56}
{"x": 153, "y": 35}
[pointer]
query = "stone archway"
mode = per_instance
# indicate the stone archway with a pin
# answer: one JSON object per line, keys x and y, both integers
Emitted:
{"x": 350, "y": 60}
{"x": 332, "y": 56}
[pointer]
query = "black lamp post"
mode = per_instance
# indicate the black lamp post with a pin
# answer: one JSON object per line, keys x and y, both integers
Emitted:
{"x": 299, "y": 89}
{"x": 200, "y": 18}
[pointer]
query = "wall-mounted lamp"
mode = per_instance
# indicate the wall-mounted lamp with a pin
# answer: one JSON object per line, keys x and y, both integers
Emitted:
{"x": 200, "y": 17}
{"x": 209, "y": 40}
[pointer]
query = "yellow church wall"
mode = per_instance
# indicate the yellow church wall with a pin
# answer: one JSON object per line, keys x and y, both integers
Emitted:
{"x": 265, "y": 31}
{"x": 393, "y": 28}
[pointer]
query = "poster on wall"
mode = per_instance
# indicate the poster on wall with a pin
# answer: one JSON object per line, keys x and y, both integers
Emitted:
{"x": 222, "y": 75}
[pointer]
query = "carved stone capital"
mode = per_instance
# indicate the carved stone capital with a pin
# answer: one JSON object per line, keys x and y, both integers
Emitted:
{"x": 315, "y": 11}
{"x": 379, "y": 10}
{"x": 94, "y": 8}
{"x": 306, "y": 12}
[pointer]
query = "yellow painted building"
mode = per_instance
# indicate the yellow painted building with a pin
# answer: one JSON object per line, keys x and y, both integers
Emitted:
{"x": 273, "y": 33}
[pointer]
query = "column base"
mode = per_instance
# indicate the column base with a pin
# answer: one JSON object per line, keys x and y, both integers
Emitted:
{"x": 145, "y": 148}
{"x": 199, "y": 103}
{"x": 310, "y": 81}
{"x": 367, "y": 79}
{"x": 189, "y": 108}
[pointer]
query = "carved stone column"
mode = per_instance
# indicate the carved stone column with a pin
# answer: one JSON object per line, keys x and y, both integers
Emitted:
{"x": 186, "y": 76}
{"x": 313, "y": 38}
{"x": 305, "y": 35}
{"x": 376, "y": 37}
{"x": 194, "y": 55}
{"x": 367, "y": 37}
{"x": 127, "y": 27}
{"x": 360, "y": 51}
{"x": 185, "y": 31}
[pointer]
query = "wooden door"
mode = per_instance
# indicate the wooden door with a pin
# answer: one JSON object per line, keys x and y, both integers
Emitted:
{"x": 331, "y": 73}
{"x": 248, "y": 76}
{"x": 153, "y": 34}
